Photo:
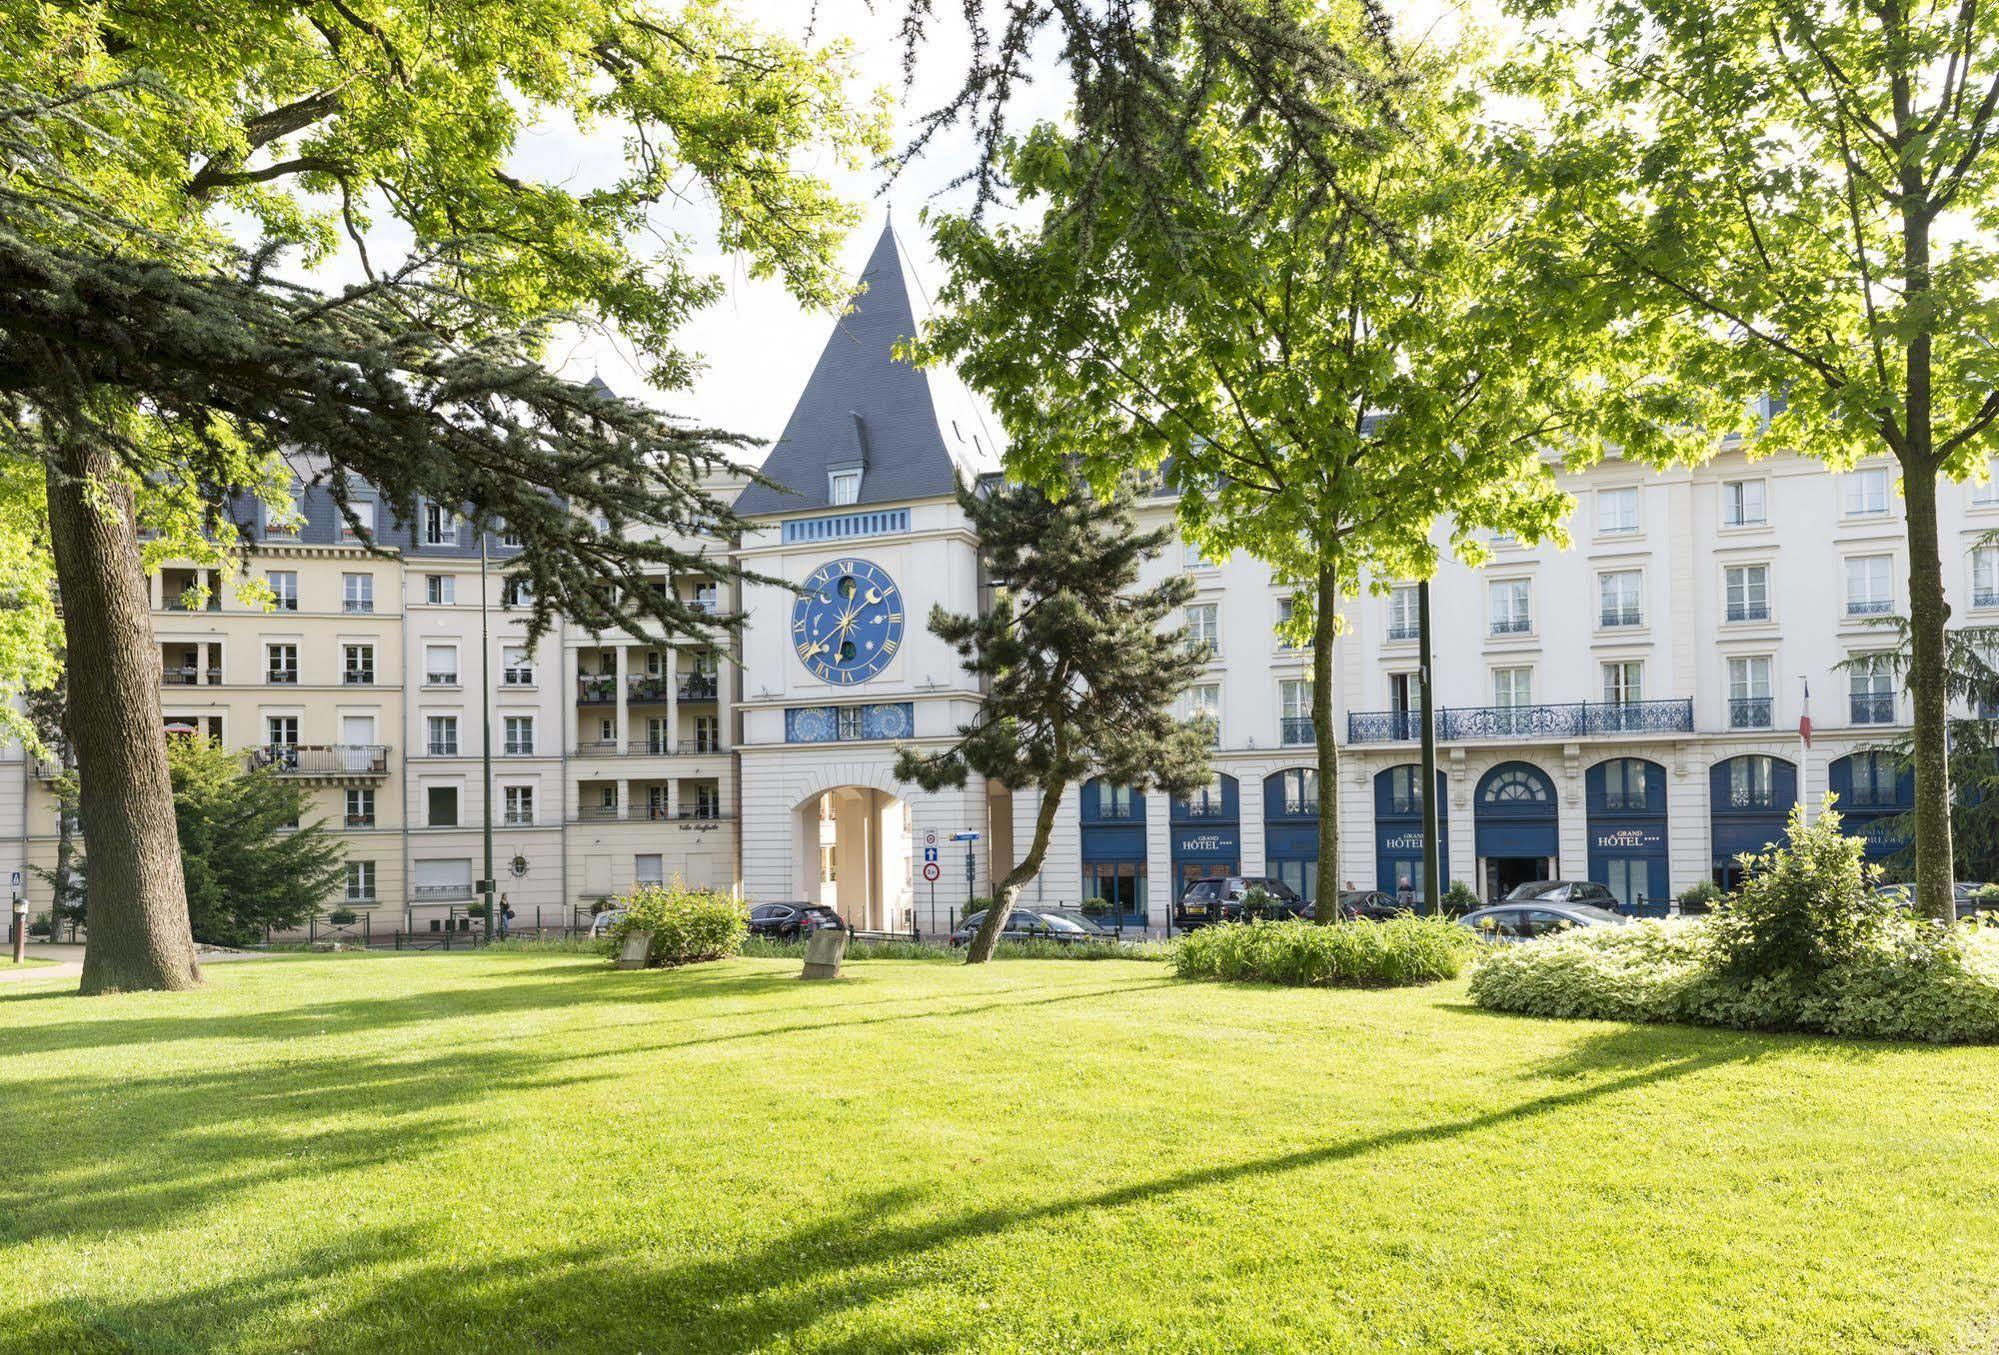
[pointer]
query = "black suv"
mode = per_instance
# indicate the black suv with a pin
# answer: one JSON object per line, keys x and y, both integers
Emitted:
{"x": 785, "y": 920}
{"x": 1220, "y": 900}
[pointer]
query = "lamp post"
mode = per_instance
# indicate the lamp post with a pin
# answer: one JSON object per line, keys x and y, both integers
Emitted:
{"x": 1432, "y": 868}
{"x": 486, "y": 732}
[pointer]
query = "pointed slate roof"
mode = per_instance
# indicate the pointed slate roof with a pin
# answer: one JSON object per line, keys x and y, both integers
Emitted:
{"x": 863, "y": 408}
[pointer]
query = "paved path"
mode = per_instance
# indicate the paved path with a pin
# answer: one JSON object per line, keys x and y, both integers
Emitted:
{"x": 69, "y": 962}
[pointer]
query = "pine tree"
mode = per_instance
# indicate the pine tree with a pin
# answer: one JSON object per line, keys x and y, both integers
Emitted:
{"x": 1079, "y": 675}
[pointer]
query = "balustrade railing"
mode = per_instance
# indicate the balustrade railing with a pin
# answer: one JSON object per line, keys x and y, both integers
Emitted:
{"x": 1566, "y": 720}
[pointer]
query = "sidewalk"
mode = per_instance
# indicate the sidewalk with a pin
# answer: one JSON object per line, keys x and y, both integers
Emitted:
{"x": 69, "y": 962}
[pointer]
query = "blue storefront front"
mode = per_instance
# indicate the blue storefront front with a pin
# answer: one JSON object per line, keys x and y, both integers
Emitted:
{"x": 1291, "y": 828}
{"x": 1749, "y": 798}
{"x": 1207, "y": 834}
{"x": 1874, "y": 789}
{"x": 1515, "y": 827}
{"x": 1113, "y": 832}
{"x": 1398, "y": 831}
{"x": 1626, "y": 799}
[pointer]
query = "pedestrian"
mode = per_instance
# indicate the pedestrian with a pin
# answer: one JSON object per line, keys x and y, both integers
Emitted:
{"x": 506, "y": 916}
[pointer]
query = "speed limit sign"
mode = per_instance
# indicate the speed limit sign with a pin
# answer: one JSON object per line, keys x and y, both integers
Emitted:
{"x": 930, "y": 871}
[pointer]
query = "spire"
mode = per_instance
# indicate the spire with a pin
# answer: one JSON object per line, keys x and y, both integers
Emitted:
{"x": 863, "y": 409}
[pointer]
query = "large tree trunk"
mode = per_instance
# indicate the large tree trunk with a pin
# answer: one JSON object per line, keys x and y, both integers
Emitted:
{"x": 987, "y": 938}
{"x": 137, "y": 905}
{"x": 1929, "y": 614}
{"x": 1326, "y": 904}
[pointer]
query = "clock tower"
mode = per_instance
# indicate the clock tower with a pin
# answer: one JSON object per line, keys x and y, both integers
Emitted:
{"x": 861, "y": 521}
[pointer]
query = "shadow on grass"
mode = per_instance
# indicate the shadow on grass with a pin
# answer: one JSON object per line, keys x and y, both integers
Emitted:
{"x": 182, "y": 1143}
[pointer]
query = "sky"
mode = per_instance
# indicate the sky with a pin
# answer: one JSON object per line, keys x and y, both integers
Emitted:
{"x": 757, "y": 345}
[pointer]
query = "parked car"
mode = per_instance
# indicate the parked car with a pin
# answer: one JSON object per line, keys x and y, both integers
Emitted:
{"x": 1026, "y": 924}
{"x": 1563, "y": 891}
{"x": 1093, "y": 925}
{"x": 1220, "y": 900}
{"x": 601, "y": 924}
{"x": 1516, "y": 922}
{"x": 785, "y": 920}
{"x": 1964, "y": 894}
{"x": 1372, "y": 904}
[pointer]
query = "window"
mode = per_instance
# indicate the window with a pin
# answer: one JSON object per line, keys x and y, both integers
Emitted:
{"x": 1624, "y": 682}
{"x": 647, "y": 870}
{"x": 1875, "y": 776}
{"x": 1748, "y": 592}
{"x": 1115, "y": 802}
{"x": 1204, "y": 700}
{"x": 519, "y": 735}
{"x": 1749, "y": 693}
{"x": 364, "y": 513}
{"x": 1298, "y": 791}
{"x": 1512, "y": 608}
{"x": 1867, "y": 492}
{"x": 517, "y": 669}
{"x": 1985, "y": 577}
{"x": 850, "y": 726}
{"x": 281, "y": 664}
{"x": 1617, "y": 510}
{"x": 1518, "y": 785}
{"x": 281, "y": 731}
{"x": 358, "y": 665}
{"x": 1405, "y": 794}
{"x": 1295, "y": 701}
{"x": 357, "y": 592}
{"x": 1403, "y": 612}
{"x": 708, "y": 598}
{"x": 1985, "y": 493}
{"x": 295, "y": 514}
{"x": 1204, "y": 629}
{"x": 1625, "y": 782}
{"x": 440, "y": 525}
{"x": 1742, "y": 503}
{"x": 440, "y": 665}
{"x": 1870, "y": 585}
{"x": 1208, "y": 802}
{"x": 1513, "y": 687}
{"x": 707, "y": 734}
{"x": 1751, "y": 783}
{"x": 284, "y": 589}
{"x": 607, "y": 800}
{"x": 707, "y": 802}
{"x": 1619, "y": 597}
{"x": 516, "y": 591}
{"x": 519, "y": 806}
{"x": 442, "y": 731}
{"x": 360, "y": 881}
{"x": 1871, "y": 688}
{"x": 440, "y": 590}
{"x": 441, "y": 806}
{"x": 843, "y": 487}
{"x": 360, "y": 807}
{"x": 509, "y": 538}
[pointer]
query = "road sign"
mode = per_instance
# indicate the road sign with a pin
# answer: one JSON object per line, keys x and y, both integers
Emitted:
{"x": 930, "y": 871}
{"x": 930, "y": 837}
{"x": 929, "y": 853}
{"x": 964, "y": 837}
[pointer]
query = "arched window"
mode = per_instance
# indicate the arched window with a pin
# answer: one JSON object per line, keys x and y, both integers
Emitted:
{"x": 1293, "y": 791}
{"x": 1516, "y": 785}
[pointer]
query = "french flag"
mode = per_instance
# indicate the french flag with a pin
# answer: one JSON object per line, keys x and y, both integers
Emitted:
{"x": 1805, "y": 716}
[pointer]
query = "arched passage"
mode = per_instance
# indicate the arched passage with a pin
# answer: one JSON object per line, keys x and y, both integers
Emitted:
{"x": 854, "y": 853}
{"x": 1516, "y": 827}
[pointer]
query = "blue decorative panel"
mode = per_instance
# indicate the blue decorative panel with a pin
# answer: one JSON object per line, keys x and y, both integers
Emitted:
{"x": 838, "y": 724}
{"x": 847, "y": 526}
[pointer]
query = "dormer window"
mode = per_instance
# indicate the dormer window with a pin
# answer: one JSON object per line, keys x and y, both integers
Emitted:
{"x": 843, "y": 487}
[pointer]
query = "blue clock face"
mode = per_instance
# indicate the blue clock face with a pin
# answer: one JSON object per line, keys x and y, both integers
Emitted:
{"x": 848, "y": 624}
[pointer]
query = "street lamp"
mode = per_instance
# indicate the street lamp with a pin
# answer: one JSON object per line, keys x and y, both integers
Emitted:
{"x": 1432, "y": 868}
{"x": 486, "y": 731}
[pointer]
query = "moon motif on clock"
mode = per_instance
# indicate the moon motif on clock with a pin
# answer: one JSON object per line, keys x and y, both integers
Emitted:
{"x": 847, "y": 624}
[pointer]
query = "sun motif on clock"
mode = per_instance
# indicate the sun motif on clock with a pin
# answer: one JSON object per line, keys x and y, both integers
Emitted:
{"x": 848, "y": 623}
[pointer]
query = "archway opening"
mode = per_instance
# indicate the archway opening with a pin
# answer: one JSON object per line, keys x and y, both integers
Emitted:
{"x": 856, "y": 845}
{"x": 1515, "y": 823}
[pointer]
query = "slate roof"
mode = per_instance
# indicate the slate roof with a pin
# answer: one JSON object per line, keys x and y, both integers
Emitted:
{"x": 908, "y": 429}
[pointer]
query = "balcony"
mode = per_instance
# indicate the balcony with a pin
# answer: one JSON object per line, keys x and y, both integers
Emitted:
{"x": 331, "y": 761}
{"x": 190, "y": 676}
{"x": 441, "y": 678}
{"x": 1749, "y": 712}
{"x": 1201, "y": 809}
{"x": 1571, "y": 720}
{"x": 357, "y": 606}
{"x": 1615, "y": 618}
{"x": 700, "y": 687}
{"x": 1511, "y": 625}
{"x": 440, "y": 893}
{"x": 281, "y": 677}
{"x": 649, "y": 814}
{"x": 1755, "y": 611}
{"x": 360, "y": 820}
{"x": 597, "y": 689}
{"x": 1399, "y": 631}
{"x": 1296, "y": 730}
{"x": 1873, "y": 708}
{"x": 358, "y": 677}
{"x": 1869, "y": 606}
{"x": 646, "y": 690}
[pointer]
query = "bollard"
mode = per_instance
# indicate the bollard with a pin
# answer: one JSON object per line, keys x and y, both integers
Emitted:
{"x": 20, "y": 930}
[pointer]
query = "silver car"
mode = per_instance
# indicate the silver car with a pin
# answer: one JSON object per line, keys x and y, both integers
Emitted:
{"x": 1526, "y": 922}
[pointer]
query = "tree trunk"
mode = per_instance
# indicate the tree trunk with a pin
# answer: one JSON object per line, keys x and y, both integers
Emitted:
{"x": 1929, "y": 614}
{"x": 986, "y": 939}
{"x": 137, "y": 905}
{"x": 1326, "y": 903}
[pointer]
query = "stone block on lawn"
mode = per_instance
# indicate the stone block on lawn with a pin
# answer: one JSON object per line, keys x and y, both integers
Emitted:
{"x": 824, "y": 953}
{"x": 636, "y": 950}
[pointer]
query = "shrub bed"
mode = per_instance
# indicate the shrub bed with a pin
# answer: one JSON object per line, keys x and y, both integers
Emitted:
{"x": 1805, "y": 945}
{"x": 761, "y": 947}
{"x": 1402, "y": 950}
{"x": 687, "y": 925}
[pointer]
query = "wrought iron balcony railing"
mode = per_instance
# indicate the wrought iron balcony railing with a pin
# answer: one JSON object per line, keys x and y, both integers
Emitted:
{"x": 596, "y": 689}
{"x": 1403, "y": 630}
{"x": 1511, "y": 625}
{"x": 1869, "y": 606}
{"x": 700, "y": 687}
{"x": 1749, "y": 712}
{"x": 1754, "y": 611}
{"x": 645, "y": 688}
{"x": 323, "y": 759}
{"x": 1567, "y": 720}
{"x": 1297, "y": 729}
{"x": 1873, "y": 708}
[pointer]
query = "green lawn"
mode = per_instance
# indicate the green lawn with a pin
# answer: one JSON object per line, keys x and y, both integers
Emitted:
{"x": 528, "y": 1152}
